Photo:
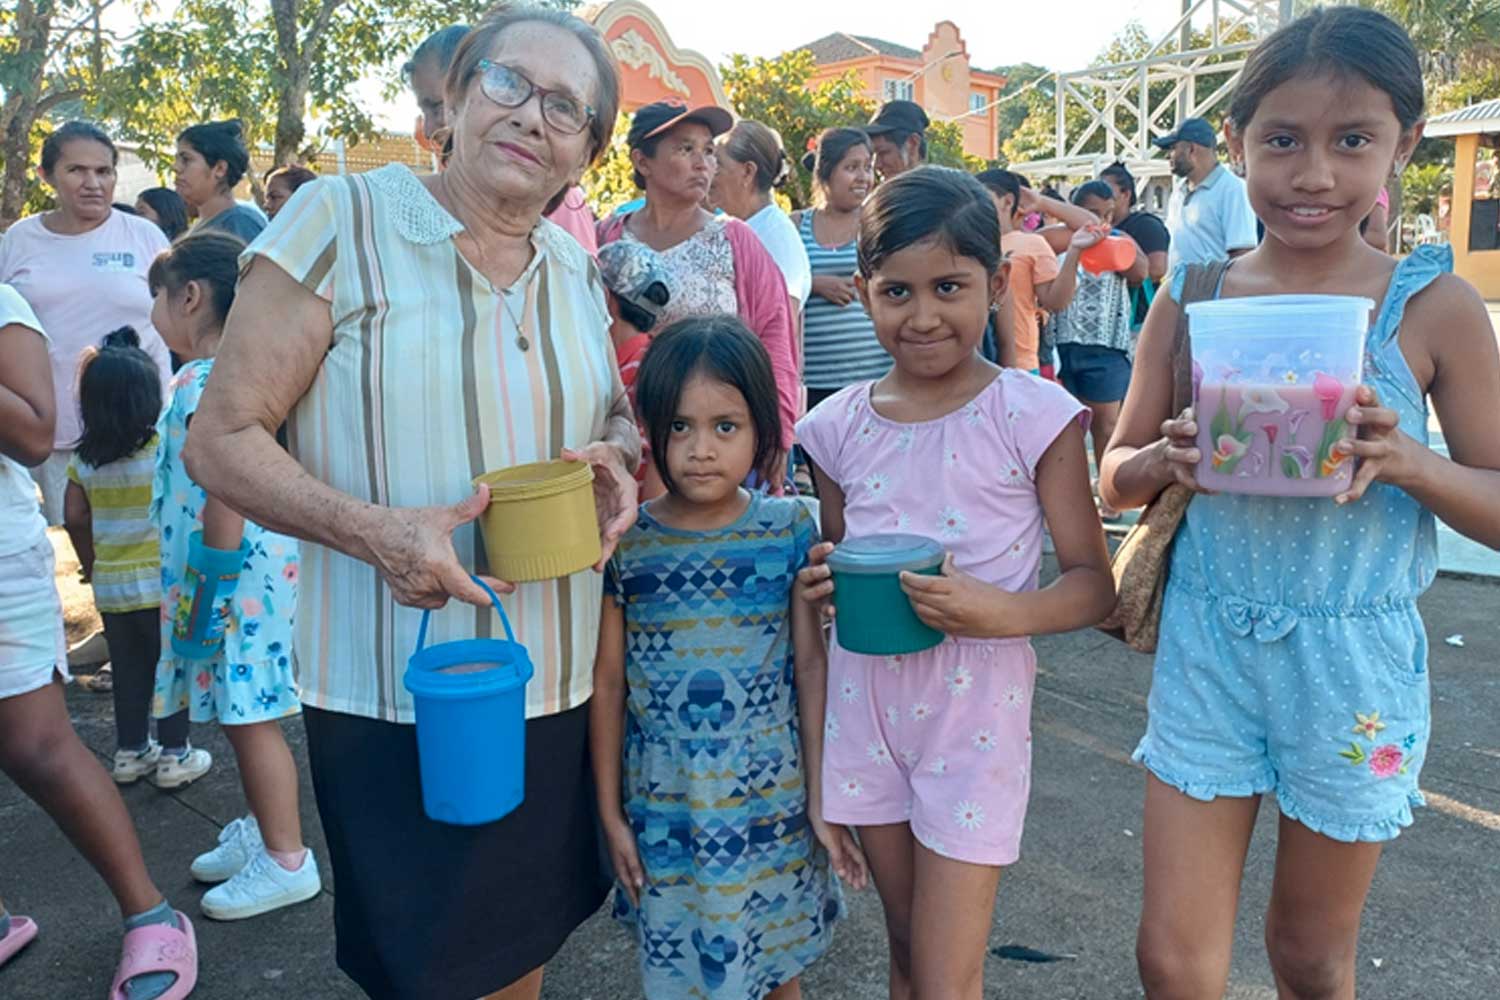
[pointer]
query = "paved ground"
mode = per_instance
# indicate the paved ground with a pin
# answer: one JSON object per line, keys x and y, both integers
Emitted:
{"x": 1430, "y": 930}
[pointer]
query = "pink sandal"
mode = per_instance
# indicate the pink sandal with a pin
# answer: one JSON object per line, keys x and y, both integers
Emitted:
{"x": 159, "y": 948}
{"x": 22, "y": 933}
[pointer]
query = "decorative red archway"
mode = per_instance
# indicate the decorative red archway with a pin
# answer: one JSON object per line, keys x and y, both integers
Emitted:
{"x": 651, "y": 67}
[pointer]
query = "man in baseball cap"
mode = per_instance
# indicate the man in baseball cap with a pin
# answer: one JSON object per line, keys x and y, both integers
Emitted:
{"x": 898, "y": 133}
{"x": 1209, "y": 213}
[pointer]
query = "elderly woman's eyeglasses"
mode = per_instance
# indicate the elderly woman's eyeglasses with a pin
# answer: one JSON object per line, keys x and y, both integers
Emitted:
{"x": 510, "y": 89}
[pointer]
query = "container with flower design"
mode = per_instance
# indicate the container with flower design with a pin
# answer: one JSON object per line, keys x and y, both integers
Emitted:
{"x": 1273, "y": 378}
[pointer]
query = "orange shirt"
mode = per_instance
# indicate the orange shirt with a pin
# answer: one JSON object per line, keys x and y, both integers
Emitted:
{"x": 1032, "y": 262}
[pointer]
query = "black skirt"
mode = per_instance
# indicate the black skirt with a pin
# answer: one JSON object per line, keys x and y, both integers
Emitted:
{"x": 428, "y": 911}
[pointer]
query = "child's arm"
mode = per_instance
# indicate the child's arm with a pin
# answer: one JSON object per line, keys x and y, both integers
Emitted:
{"x": 1464, "y": 491}
{"x": 810, "y": 659}
{"x": 222, "y": 527}
{"x": 815, "y": 580}
{"x": 606, "y": 743}
{"x": 956, "y": 603}
{"x": 78, "y": 518}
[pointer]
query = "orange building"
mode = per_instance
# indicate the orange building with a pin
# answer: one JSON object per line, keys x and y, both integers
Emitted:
{"x": 651, "y": 67}
{"x": 938, "y": 76}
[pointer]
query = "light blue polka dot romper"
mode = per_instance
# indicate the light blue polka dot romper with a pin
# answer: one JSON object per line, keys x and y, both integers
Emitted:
{"x": 1292, "y": 658}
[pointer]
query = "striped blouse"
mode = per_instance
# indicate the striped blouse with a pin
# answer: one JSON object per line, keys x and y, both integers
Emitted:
{"x": 434, "y": 377}
{"x": 839, "y": 345}
{"x": 127, "y": 556}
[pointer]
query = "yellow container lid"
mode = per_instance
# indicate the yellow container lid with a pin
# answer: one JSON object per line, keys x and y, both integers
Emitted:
{"x": 536, "y": 480}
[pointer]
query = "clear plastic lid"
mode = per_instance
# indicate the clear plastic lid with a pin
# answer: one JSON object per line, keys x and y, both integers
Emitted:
{"x": 886, "y": 554}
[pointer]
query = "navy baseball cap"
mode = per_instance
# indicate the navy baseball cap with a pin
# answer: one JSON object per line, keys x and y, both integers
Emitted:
{"x": 1195, "y": 130}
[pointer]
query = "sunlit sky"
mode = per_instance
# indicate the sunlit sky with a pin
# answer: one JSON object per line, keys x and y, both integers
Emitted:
{"x": 996, "y": 33}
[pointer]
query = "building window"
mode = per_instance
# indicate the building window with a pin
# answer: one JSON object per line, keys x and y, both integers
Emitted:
{"x": 977, "y": 102}
{"x": 898, "y": 90}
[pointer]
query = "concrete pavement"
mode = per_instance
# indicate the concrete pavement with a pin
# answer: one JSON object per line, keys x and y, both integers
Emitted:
{"x": 1430, "y": 929}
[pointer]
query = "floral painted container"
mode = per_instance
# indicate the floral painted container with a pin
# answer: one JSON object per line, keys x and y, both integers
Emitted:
{"x": 1274, "y": 377}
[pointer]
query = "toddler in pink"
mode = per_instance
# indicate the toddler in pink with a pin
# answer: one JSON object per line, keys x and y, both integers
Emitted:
{"x": 941, "y": 738}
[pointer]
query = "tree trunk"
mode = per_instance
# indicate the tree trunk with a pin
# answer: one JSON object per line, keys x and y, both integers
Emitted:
{"x": 297, "y": 57}
{"x": 19, "y": 113}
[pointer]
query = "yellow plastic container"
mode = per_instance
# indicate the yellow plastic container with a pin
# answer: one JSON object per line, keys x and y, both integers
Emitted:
{"x": 540, "y": 523}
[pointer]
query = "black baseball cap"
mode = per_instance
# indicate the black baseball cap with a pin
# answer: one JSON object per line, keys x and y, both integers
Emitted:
{"x": 654, "y": 119}
{"x": 898, "y": 116}
{"x": 1195, "y": 130}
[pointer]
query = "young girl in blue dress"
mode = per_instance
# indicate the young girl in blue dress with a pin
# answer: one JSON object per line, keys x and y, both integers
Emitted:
{"x": 1292, "y": 658}
{"x": 248, "y": 686}
{"x": 710, "y": 683}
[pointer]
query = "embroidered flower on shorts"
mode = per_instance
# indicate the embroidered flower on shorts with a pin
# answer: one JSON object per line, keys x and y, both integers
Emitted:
{"x": 969, "y": 815}
{"x": 895, "y": 663}
{"x": 852, "y": 788}
{"x": 909, "y": 757}
{"x": 939, "y": 766}
{"x": 879, "y": 755}
{"x": 984, "y": 741}
{"x": 921, "y": 712}
{"x": 952, "y": 523}
{"x": 849, "y": 691}
{"x": 1013, "y": 698}
{"x": 1368, "y": 725}
{"x": 831, "y": 728}
{"x": 960, "y": 681}
{"x": 1387, "y": 761}
{"x": 892, "y": 714}
{"x": 878, "y": 483}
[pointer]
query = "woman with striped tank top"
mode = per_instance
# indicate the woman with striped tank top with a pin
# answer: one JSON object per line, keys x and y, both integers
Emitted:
{"x": 839, "y": 340}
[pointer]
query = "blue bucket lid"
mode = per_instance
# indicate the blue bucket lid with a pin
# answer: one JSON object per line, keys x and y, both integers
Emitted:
{"x": 436, "y": 671}
{"x": 886, "y": 554}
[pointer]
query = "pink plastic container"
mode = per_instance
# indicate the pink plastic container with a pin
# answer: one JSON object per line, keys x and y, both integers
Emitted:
{"x": 1274, "y": 377}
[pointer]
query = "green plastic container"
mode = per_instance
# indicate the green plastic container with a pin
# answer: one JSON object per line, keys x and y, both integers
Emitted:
{"x": 874, "y": 615}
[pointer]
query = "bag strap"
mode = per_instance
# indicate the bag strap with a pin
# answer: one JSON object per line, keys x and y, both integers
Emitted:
{"x": 1201, "y": 281}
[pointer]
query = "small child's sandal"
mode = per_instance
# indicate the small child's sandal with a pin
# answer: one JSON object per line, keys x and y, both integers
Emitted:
{"x": 22, "y": 933}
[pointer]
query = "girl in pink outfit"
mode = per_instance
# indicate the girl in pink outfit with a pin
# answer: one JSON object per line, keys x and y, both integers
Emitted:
{"x": 929, "y": 755}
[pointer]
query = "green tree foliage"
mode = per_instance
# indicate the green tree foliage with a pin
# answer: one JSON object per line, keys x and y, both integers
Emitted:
{"x": 945, "y": 147}
{"x": 775, "y": 92}
{"x": 610, "y": 183}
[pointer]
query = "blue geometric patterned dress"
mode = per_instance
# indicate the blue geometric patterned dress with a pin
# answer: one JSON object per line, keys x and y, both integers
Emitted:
{"x": 739, "y": 897}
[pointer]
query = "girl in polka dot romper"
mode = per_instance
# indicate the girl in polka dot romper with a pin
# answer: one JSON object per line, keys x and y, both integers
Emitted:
{"x": 1292, "y": 658}
{"x": 929, "y": 755}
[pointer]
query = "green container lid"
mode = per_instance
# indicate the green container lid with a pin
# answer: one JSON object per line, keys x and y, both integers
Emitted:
{"x": 886, "y": 554}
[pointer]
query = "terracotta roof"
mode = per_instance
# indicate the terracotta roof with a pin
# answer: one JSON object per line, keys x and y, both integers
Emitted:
{"x": 839, "y": 46}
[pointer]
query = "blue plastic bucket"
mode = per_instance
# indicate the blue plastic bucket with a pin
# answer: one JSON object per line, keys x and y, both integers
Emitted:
{"x": 208, "y": 584}
{"x": 470, "y": 699}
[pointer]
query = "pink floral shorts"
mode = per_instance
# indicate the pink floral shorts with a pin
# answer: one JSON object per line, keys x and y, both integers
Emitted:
{"x": 940, "y": 739}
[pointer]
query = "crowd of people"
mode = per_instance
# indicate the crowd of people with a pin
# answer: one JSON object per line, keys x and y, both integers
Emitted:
{"x": 299, "y": 400}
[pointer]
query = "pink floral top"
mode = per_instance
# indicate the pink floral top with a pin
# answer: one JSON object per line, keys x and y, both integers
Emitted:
{"x": 967, "y": 479}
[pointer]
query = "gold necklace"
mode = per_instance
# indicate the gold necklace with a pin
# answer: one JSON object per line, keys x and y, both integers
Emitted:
{"x": 484, "y": 268}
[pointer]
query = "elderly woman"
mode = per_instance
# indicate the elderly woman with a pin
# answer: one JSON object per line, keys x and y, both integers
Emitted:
{"x": 419, "y": 332}
{"x": 719, "y": 265}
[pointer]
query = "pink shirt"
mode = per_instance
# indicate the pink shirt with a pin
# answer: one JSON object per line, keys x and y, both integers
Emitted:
{"x": 82, "y": 287}
{"x": 967, "y": 479}
{"x": 577, "y": 218}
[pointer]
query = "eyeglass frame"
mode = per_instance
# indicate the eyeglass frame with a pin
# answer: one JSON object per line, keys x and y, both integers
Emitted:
{"x": 539, "y": 92}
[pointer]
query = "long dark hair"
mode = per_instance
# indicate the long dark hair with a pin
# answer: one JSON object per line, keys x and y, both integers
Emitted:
{"x": 833, "y": 145}
{"x": 1345, "y": 41}
{"x": 210, "y": 258}
{"x": 171, "y": 210}
{"x": 937, "y": 204}
{"x": 721, "y": 348}
{"x": 119, "y": 398}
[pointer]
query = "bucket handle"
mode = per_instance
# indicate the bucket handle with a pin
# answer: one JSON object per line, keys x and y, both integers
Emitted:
{"x": 494, "y": 599}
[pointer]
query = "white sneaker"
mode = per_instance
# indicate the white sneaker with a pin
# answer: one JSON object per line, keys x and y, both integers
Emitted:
{"x": 262, "y": 886}
{"x": 133, "y": 765}
{"x": 174, "y": 771}
{"x": 238, "y": 843}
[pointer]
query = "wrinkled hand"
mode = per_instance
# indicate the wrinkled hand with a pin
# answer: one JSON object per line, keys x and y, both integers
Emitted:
{"x": 1383, "y": 451}
{"x": 412, "y": 549}
{"x": 616, "y": 494}
{"x": 625, "y": 857}
{"x": 839, "y": 291}
{"x": 815, "y": 580}
{"x": 1180, "y": 451}
{"x": 955, "y": 603}
{"x": 844, "y": 853}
